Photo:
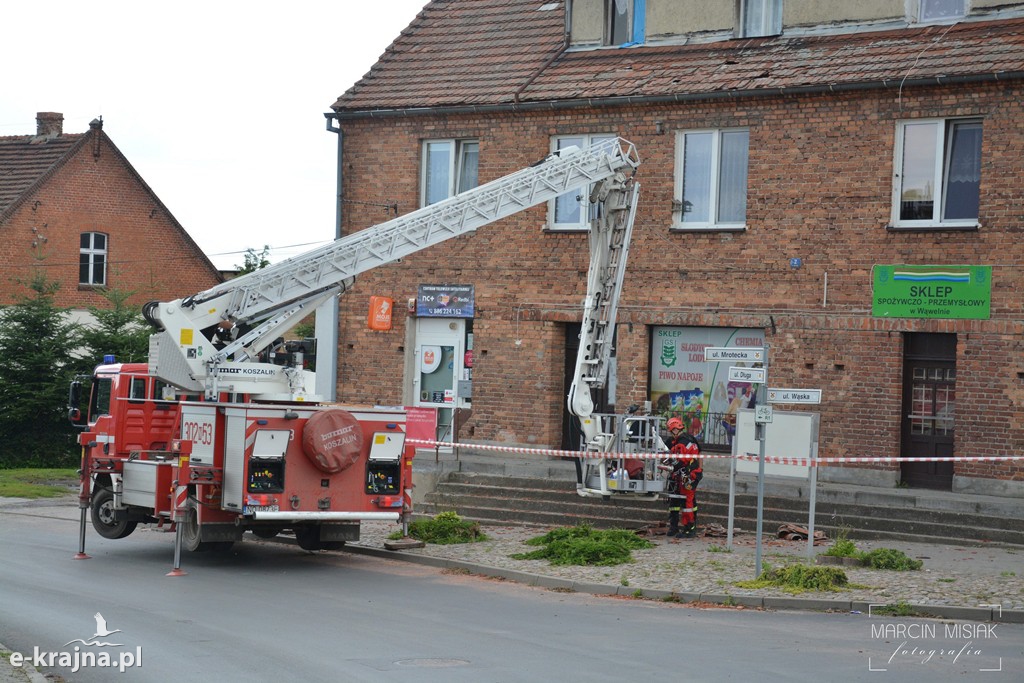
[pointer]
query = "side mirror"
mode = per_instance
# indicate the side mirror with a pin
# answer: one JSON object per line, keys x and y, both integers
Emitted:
{"x": 75, "y": 394}
{"x": 74, "y": 400}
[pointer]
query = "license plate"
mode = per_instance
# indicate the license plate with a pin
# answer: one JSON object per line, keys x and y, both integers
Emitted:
{"x": 261, "y": 508}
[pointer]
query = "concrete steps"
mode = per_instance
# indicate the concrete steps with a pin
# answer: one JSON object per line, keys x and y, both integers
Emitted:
{"x": 550, "y": 500}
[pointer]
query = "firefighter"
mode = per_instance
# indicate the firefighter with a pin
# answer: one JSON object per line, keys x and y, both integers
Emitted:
{"x": 684, "y": 474}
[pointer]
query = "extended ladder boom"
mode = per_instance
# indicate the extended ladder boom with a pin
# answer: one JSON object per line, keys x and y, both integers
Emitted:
{"x": 610, "y": 236}
{"x": 272, "y": 300}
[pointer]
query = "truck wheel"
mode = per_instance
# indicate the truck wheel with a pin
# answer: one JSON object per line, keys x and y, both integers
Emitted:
{"x": 190, "y": 532}
{"x": 102, "y": 514}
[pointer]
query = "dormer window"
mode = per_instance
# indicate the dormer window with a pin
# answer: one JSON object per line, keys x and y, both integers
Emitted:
{"x": 941, "y": 10}
{"x": 624, "y": 21}
{"x": 761, "y": 17}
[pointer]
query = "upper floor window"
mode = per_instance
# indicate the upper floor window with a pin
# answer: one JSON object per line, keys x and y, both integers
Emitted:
{"x": 761, "y": 17}
{"x": 449, "y": 167}
{"x": 624, "y": 21}
{"x": 937, "y": 172}
{"x": 711, "y": 178}
{"x": 572, "y": 210}
{"x": 941, "y": 10}
{"x": 92, "y": 259}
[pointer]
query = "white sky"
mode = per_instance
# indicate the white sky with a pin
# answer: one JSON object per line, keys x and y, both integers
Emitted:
{"x": 218, "y": 104}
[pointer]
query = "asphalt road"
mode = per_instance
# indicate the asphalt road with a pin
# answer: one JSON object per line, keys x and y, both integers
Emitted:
{"x": 269, "y": 611}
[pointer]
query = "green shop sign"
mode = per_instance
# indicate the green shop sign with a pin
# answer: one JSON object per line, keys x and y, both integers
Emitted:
{"x": 932, "y": 292}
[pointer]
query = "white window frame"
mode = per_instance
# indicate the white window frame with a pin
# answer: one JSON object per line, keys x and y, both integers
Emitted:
{"x": 587, "y": 212}
{"x": 457, "y": 149}
{"x": 940, "y": 174}
{"x": 714, "y": 196}
{"x": 766, "y": 22}
{"x": 91, "y": 252}
{"x": 930, "y": 11}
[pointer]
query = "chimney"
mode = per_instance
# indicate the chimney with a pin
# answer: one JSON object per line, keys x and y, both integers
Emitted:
{"x": 49, "y": 124}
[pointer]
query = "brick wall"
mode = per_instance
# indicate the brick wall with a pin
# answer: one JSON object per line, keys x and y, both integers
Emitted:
{"x": 820, "y": 184}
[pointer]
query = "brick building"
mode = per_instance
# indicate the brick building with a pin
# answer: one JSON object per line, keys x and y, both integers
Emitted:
{"x": 841, "y": 184}
{"x": 73, "y": 205}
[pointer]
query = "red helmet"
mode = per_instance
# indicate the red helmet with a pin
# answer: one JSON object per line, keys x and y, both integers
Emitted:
{"x": 674, "y": 423}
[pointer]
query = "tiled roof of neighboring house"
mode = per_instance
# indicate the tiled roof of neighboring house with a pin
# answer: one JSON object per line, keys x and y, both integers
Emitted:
{"x": 462, "y": 52}
{"x": 26, "y": 161}
{"x": 499, "y": 52}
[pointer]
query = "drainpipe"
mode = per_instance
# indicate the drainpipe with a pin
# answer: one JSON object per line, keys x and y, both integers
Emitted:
{"x": 327, "y": 319}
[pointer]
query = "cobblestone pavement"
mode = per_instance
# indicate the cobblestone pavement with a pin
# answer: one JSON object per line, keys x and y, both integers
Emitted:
{"x": 962, "y": 576}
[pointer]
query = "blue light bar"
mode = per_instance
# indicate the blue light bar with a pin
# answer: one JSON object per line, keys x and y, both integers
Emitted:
{"x": 108, "y": 359}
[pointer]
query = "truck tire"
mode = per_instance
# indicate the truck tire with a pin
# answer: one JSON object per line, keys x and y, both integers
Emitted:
{"x": 190, "y": 532}
{"x": 102, "y": 514}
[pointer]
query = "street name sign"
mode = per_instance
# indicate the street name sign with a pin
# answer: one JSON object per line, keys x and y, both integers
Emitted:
{"x": 733, "y": 353}
{"x": 794, "y": 395}
{"x": 753, "y": 375}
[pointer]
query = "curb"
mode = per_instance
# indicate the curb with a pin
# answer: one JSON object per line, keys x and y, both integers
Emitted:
{"x": 993, "y": 613}
{"x": 27, "y": 668}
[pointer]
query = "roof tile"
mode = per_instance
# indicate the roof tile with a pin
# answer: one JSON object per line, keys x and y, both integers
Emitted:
{"x": 25, "y": 159}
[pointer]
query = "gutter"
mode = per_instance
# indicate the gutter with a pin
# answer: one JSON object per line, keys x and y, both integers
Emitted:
{"x": 327, "y": 315}
{"x": 625, "y": 100}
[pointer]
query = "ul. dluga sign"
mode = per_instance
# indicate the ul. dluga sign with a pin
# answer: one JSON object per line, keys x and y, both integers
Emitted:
{"x": 902, "y": 291}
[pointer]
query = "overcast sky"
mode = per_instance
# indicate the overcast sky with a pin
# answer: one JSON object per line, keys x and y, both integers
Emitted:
{"x": 218, "y": 104}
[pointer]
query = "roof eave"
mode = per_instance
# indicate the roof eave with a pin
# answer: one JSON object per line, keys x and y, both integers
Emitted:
{"x": 624, "y": 100}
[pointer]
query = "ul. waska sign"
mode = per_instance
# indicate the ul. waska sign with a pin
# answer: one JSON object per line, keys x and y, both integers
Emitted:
{"x": 380, "y": 313}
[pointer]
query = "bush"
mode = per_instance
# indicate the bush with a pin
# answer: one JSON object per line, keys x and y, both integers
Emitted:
{"x": 799, "y": 578}
{"x": 888, "y": 558}
{"x": 842, "y": 548}
{"x": 582, "y": 545}
{"x": 446, "y": 528}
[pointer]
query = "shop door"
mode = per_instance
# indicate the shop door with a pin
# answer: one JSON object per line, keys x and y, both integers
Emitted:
{"x": 440, "y": 351}
{"x": 929, "y": 409}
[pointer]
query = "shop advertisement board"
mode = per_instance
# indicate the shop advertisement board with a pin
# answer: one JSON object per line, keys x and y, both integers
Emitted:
{"x": 684, "y": 385}
{"x": 445, "y": 301}
{"x": 901, "y": 291}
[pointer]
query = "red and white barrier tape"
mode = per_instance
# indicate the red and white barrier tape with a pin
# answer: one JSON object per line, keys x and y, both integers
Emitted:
{"x": 805, "y": 462}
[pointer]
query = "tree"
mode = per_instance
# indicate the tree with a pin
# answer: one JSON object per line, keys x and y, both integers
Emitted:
{"x": 119, "y": 330}
{"x": 254, "y": 261}
{"x": 36, "y": 366}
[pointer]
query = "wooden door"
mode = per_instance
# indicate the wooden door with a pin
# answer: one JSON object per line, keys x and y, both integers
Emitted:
{"x": 929, "y": 409}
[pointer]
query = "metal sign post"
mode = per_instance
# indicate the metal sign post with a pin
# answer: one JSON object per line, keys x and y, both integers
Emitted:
{"x": 759, "y": 427}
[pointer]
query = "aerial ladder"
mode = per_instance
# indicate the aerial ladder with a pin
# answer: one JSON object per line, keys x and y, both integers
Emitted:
{"x": 211, "y": 341}
{"x": 598, "y": 474}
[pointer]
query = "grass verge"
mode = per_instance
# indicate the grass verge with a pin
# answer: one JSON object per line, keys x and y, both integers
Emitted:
{"x": 37, "y": 483}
